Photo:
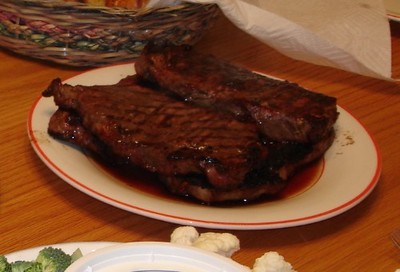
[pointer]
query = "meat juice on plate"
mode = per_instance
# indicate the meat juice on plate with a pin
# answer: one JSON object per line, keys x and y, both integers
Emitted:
{"x": 148, "y": 183}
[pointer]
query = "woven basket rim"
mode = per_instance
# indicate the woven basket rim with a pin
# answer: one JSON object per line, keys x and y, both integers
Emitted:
{"x": 93, "y": 37}
{"x": 61, "y": 5}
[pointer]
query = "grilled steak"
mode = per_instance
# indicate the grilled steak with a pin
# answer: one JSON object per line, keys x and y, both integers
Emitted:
{"x": 282, "y": 110}
{"x": 284, "y": 160}
{"x": 195, "y": 151}
{"x": 149, "y": 129}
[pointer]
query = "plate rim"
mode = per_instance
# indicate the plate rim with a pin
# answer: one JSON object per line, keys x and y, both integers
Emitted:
{"x": 154, "y": 248}
{"x": 94, "y": 249}
{"x": 85, "y": 246}
{"x": 316, "y": 217}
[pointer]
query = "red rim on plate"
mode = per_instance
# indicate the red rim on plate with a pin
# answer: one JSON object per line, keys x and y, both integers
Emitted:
{"x": 358, "y": 181}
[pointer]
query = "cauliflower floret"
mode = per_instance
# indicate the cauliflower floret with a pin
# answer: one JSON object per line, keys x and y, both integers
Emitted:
{"x": 224, "y": 244}
{"x": 184, "y": 235}
{"x": 272, "y": 262}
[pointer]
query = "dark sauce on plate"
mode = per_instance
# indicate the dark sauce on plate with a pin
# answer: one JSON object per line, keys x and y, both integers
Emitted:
{"x": 148, "y": 183}
{"x": 304, "y": 180}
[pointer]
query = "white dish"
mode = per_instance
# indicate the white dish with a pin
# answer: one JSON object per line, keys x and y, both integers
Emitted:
{"x": 137, "y": 256}
{"x": 30, "y": 254}
{"x": 393, "y": 9}
{"x": 351, "y": 170}
{"x": 152, "y": 257}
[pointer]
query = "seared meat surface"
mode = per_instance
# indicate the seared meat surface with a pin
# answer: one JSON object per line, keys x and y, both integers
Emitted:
{"x": 284, "y": 161}
{"x": 147, "y": 128}
{"x": 208, "y": 129}
{"x": 283, "y": 111}
{"x": 195, "y": 151}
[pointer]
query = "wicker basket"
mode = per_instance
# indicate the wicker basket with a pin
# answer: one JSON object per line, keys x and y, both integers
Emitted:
{"x": 76, "y": 34}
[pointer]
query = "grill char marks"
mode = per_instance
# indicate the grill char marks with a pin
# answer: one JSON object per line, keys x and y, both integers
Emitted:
{"x": 146, "y": 128}
{"x": 282, "y": 110}
{"x": 209, "y": 129}
{"x": 283, "y": 160}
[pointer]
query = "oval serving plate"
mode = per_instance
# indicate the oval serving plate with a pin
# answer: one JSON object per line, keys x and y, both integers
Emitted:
{"x": 351, "y": 170}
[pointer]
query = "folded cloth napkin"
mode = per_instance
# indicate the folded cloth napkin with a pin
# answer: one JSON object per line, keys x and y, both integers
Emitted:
{"x": 352, "y": 35}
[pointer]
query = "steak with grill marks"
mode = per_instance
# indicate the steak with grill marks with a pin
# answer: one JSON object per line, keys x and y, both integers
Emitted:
{"x": 283, "y": 111}
{"x": 149, "y": 129}
{"x": 195, "y": 151}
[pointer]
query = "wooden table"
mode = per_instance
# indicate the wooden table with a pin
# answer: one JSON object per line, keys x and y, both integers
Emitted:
{"x": 38, "y": 208}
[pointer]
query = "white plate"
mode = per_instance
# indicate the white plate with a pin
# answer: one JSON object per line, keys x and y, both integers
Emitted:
{"x": 393, "y": 9}
{"x": 351, "y": 170}
{"x": 110, "y": 256}
{"x": 30, "y": 254}
{"x": 152, "y": 257}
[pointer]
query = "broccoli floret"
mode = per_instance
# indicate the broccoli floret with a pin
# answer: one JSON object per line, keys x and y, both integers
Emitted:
{"x": 49, "y": 259}
{"x": 53, "y": 259}
{"x": 21, "y": 266}
{"x": 76, "y": 255}
{"x": 35, "y": 267}
{"x": 5, "y": 266}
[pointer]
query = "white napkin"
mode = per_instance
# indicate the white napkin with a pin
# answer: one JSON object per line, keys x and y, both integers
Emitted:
{"x": 352, "y": 35}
